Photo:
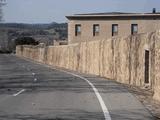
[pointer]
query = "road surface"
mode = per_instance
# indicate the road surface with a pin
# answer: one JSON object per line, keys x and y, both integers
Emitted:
{"x": 30, "y": 91}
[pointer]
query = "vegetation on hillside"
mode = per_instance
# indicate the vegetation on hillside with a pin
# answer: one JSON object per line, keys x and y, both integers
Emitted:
{"x": 26, "y": 41}
{"x": 43, "y": 33}
{"x": 33, "y": 26}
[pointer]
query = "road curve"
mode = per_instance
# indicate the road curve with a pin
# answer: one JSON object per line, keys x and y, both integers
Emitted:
{"x": 30, "y": 91}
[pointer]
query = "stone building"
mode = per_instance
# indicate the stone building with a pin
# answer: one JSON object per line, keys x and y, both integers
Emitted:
{"x": 100, "y": 26}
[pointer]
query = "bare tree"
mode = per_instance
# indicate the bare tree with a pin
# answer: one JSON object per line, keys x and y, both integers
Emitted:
{"x": 2, "y": 3}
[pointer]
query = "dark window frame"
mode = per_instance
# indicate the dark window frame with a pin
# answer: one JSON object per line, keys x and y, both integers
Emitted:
{"x": 96, "y": 33}
{"x": 133, "y": 32}
{"x": 113, "y": 31}
{"x": 147, "y": 66}
{"x": 77, "y": 32}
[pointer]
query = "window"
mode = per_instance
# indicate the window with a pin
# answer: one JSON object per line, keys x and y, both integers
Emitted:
{"x": 146, "y": 66}
{"x": 77, "y": 30}
{"x": 114, "y": 29}
{"x": 96, "y": 30}
{"x": 134, "y": 29}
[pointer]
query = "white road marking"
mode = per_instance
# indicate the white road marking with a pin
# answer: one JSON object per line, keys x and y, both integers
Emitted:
{"x": 33, "y": 73}
{"x": 35, "y": 79}
{"x": 103, "y": 106}
{"x": 19, "y": 92}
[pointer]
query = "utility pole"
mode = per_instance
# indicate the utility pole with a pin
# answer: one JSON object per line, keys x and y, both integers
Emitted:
{"x": 2, "y": 3}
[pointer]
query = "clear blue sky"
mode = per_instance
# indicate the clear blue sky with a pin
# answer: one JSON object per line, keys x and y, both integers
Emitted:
{"x": 46, "y": 11}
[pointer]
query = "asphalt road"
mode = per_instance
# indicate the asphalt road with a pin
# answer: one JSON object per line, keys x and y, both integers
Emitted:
{"x": 30, "y": 91}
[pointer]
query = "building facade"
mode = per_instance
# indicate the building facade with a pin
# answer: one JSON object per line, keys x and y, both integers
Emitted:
{"x": 99, "y": 26}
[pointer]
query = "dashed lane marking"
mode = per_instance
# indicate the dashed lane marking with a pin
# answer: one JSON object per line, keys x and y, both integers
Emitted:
{"x": 33, "y": 74}
{"x": 19, "y": 93}
{"x": 100, "y": 99}
{"x": 35, "y": 79}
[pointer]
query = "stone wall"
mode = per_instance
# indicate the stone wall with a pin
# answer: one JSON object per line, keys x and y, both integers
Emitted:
{"x": 121, "y": 59}
{"x": 157, "y": 67}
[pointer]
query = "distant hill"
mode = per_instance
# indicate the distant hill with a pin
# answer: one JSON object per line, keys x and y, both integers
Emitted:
{"x": 44, "y": 33}
{"x": 33, "y": 26}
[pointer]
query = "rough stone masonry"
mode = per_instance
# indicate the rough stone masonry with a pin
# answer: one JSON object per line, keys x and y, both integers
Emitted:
{"x": 133, "y": 60}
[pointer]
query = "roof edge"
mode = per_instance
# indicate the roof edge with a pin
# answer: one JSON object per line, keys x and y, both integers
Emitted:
{"x": 113, "y": 14}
